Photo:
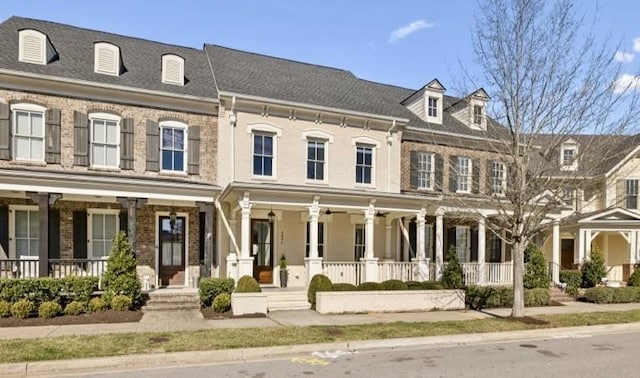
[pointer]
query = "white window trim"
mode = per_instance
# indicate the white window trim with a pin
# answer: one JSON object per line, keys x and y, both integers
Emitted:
{"x": 574, "y": 165}
{"x": 365, "y": 140}
{"x": 43, "y": 46}
{"x": 176, "y": 125}
{"x": 104, "y": 117}
{"x": 33, "y": 108}
{"x": 437, "y": 100}
{"x": 432, "y": 173}
{"x": 90, "y": 213}
{"x": 470, "y": 175}
{"x": 373, "y": 164}
{"x": 116, "y": 63}
{"x": 317, "y": 134}
{"x": 12, "y": 228}
{"x": 264, "y": 128}
{"x": 274, "y": 160}
{"x": 177, "y": 59}
{"x": 325, "y": 173}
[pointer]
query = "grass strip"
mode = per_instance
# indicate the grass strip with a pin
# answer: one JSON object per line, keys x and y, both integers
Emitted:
{"x": 71, "y": 347}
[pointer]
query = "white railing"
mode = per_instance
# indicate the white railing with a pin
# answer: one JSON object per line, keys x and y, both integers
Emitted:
{"x": 397, "y": 270}
{"x": 614, "y": 272}
{"x": 554, "y": 271}
{"x": 471, "y": 273}
{"x": 344, "y": 272}
{"x": 498, "y": 273}
{"x": 29, "y": 268}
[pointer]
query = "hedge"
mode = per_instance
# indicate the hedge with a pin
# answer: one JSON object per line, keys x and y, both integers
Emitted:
{"x": 602, "y": 294}
{"x": 479, "y": 297}
{"x": 210, "y": 288}
{"x": 46, "y": 289}
{"x": 573, "y": 279}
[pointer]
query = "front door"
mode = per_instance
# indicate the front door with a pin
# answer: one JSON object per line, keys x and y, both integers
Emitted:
{"x": 566, "y": 253}
{"x": 262, "y": 250}
{"x": 172, "y": 247}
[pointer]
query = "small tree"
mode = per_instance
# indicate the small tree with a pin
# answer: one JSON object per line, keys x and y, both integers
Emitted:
{"x": 593, "y": 269}
{"x": 120, "y": 277}
{"x": 536, "y": 274}
{"x": 452, "y": 274}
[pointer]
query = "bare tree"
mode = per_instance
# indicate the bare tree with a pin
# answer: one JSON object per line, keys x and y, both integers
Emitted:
{"x": 550, "y": 81}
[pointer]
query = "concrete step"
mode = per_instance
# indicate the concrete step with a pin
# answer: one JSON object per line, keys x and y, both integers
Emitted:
{"x": 288, "y": 306}
{"x": 172, "y": 300}
{"x": 287, "y": 300}
{"x": 169, "y": 307}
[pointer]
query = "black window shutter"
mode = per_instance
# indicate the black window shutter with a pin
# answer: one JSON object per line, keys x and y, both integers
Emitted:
{"x": 80, "y": 234}
{"x": 5, "y": 133}
{"x": 80, "y": 139}
{"x": 413, "y": 169}
{"x": 193, "y": 148}
{"x": 439, "y": 172}
{"x": 489, "y": 177}
{"x": 202, "y": 235}
{"x": 475, "y": 176}
{"x": 153, "y": 146}
{"x": 54, "y": 233}
{"x": 126, "y": 143}
{"x": 4, "y": 230}
{"x": 52, "y": 134}
{"x": 453, "y": 174}
{"x": 474, "y": 245}
{"x": 451, "y": 240}
{"x": 124, "y": 221}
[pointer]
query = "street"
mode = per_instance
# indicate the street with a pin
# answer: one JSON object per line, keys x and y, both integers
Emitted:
{"x": 597, "y": 356}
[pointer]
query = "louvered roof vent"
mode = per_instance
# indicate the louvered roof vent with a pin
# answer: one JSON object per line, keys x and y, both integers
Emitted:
{"x": 35, "y": 47}
{"x": 107, "y": 59}
{"x": 172, "y": 69}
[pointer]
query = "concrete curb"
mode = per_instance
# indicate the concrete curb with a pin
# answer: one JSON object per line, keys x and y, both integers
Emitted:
{"x": 119, "y": 363}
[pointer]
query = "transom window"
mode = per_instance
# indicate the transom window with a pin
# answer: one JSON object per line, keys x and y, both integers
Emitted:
{"x": 498, "y": 182}
{"x": 105, "y": 141}
{"x": 173, "y": 147}
{"x": 28, "y": 132}
{"x": 364, "y": 164}
{"x": 425, "y": 170}
{"x": 104, "y": 227}
{"x": 477, "y": 114}
{"x": 632, "y": 194}
{"x": 320, "y": 239}
{"x": 27, "y": 233}
{"x": 315, "y": 159}
{"x": 464, "y": 174}
{"x": 359, "y": 244}
{"x": 432, "y": 107}
{"x": 262, "y": 154}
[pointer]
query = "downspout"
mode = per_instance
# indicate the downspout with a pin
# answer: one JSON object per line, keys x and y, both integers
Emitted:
{"x": 233, "y": 121}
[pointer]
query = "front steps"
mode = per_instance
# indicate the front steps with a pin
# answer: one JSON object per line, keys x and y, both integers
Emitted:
{"x": 172, "y": 300}
{"x": 558, "y": 295}
{"x": 281, "y": 300}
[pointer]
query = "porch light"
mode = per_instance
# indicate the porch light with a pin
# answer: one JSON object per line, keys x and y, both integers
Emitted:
{"x": 172, "y": 221}
{"x": 271, "y": 216}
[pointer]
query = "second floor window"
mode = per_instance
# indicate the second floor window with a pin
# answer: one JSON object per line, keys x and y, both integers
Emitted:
{"x": 425, "y": 171}
{"x": 569, "y": 197}
{"x": 315, "y": 159}
{"x": 262, "y": 155}
{"x": 364, "y": 164}
{"x": 477, "y": 114}
{"x": 432, "y": 108}
{"x": 28, "y": 135}
{"x": 173, "y": 148}
{"x": 498, "y": 181}
{"x": 464, "y": 174}
{"x": 631, "y": 197}
{"x": 105, "y": 138}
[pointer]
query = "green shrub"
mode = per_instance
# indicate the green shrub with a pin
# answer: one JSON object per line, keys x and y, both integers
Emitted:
{"x": 394, "y": 285}
{"x": 452, "y": 277}
{"x": 573, "y": 279}
{"x": 476, "y": 297}
{"x": 21, "y": 309}
{"x": 625, "y": 295}
{"x": 120, "y": 277}
{"x": 502, "y": 296}
{"x": 431, "y": 285}
{"x": 319, "y": 282}
{"x": 36, "y": 290}
{"x": 5, "y": 309}
{"x": 634, "y": 279}
{"x": 49, "y": 309}
{"x": 341, "y": 286}
{"x": 536, "y": 274}
{"x": 479, "y": 297}
{"x": 80, "y": 288}
{"x": 222, "y": 302}
{"x": 248, "y": 284}
{"x": 210, "y": 288}
{"x": 74, "y": 308}
{"x": 97, "y": 304}
{"x": 121, "y": 302}
{"x": 599, "y": 294}
{"x": 537, "y": 297}
{"x": 370, "y": 286}
{"x": 414, "y": 285}
{"x": 593, "y": 269}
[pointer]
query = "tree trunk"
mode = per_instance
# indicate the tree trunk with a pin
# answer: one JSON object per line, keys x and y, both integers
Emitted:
{"x": 517, "y": 311}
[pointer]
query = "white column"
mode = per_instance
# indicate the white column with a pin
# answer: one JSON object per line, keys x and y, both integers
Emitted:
{"x": 313, "y": 263}
{"x": 587, "y": 245}
{"x": 555, "y": 252}
{"x": 405, "y": 237}
{"x": 232, "y": 259}
{"x": 387, "y": 235}
{"x": 422, "y": 262}
{"x": 371, "y": 263}
{"x": 633, "y": 242}
{"x": 439, "y": 243}
{"x": 245, "y": 260}
{"x": 481, "y": 251}
{"x": 581, "y": 242}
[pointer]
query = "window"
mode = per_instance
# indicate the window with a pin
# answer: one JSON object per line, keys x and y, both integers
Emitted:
{"x": 568, "y": 156}
{"x": 364, "y": 164}
{"x": 432, "y": 107}
{"x": 428, "y": 240}
{"x": 495, "y": 248}
{"x": 315, "y": 159}
{"x": 569, "y": 197}
{"x": 28, "y": 132}
{"x": 464, "y": 174}
{"x": 425, "y": 170}
{"x": 173, "y": 147}
{"x": 498, "y": 181}
{"x": 105, "y": 140}
{"x": 172, "y": 69}
{"x": 462, "y": 242}
{"x": 359, "y": 244}
{"x": 320, "y": 239}
{"x": 104, "y": 226}
{"x": 477, "y": 115}
{"x": 263, "y": 154}
{"x": 632, "y": 194}
{"x": 106, "y": 59}
{"x": 27, "y": 233}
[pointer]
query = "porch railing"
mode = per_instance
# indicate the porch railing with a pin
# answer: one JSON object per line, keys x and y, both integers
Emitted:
{"x": 19, "y": 268}
{"x": 397, "y": 270}
{"x": 345, "y": 272}
{"x": 498, "y": 273}
{"x": 471, "y": 273}
{"x": 29, "y": 268}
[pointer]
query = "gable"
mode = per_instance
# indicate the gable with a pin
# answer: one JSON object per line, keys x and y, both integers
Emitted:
{"x": 612, "y": 215}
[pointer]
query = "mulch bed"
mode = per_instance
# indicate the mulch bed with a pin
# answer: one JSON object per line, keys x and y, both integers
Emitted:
{"x": 208, "y": 313}
{"x": 108, "y": 316}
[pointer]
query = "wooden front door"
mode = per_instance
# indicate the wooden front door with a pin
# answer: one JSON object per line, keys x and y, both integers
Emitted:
{"x": 172, "y": 246}
{"x": 566, "y": 253}
{"x": 262, "y": 250}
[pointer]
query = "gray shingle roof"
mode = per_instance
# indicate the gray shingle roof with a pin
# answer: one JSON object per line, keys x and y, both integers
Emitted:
{"x": 142, "y": 59}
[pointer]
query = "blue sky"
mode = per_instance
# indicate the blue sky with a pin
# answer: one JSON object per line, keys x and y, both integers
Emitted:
{"x": 405, "y": 43}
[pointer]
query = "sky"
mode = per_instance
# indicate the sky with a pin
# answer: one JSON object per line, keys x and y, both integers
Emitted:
{"x": 404, "y": 43}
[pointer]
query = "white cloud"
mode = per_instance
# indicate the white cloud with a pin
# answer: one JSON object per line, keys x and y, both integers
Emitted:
{"x": 624, "y": 57}
{"x": 626, "y": 83}
{"x": 410, "y": 28}
{"x": 636, "y": 44}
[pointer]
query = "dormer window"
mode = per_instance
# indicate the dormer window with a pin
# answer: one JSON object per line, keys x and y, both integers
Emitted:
{"x": 568, "y": 155}
{"x": 477, "y": 115}
{"x": 432, "y": 107}
{"x": 34, "y": 47}
{"x": 172, "y": 69}
{"x": 107, "y": 59}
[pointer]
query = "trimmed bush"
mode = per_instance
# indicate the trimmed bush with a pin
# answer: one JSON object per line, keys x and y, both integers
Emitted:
{"x": 319, "y": 282}
{"x": 49, "y": 309}
{"x": 452, "y": 274}
{"x": 36, "y": 290}
{"x": 210, "y": 288}
{"x": 476, "y": 297}
{"x": 97, "y": 304}
{"x": 535, "y": 275}
{"x": 599, "y": 294}
{"x": 21, "y": 309}
{"x": 593, "y": 270}
{"x": 479, "y": 297}
{"x": 394, "y": 285}
{"x": 343, "y": 287}
{"x": 74, "y": 308}
{"x": 502, "y": 296}
{"x": 222, "y": 303}
{"x": 537, "y": 297}
{"x": 248, "y": 284}
{"x": 634, "y": 278}
{"x": 5, "y": 309}
{"x": 625, "y": 295}
{"x": 370, "y": 286}
{"x": 80, "y": 288}
{"x": 414, "y": 285}
{"x": 573, "y": 279}
{"x": 121, "y": 303}
{"x": 431, "y": 285}
{"x": 120, "y": 277}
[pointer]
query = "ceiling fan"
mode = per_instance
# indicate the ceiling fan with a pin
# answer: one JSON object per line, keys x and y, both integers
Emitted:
{"x": 329, "y": 212}
{"x": 380, "y": 214}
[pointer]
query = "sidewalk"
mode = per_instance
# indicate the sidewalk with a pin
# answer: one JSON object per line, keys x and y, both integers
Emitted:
{"x": 161, "y": 322}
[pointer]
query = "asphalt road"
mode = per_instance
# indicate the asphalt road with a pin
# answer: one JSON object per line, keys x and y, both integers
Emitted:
{"x": 598, "y": 356}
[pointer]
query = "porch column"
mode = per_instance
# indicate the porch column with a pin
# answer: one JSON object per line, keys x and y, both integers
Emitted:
{"x": 633, "y": 245}
{"x": 370, "y": 262}
{"x": 555, "y": 253}
{"x": 232, "y": 259}
{"x": 587, "y": 245}
{"x": 245, "y": 260}
{"x": 421, "y": 261}
{"x": 439, "y": 243}
{"x": 44, "y": 202}
{"x": 581, "y": 247}
{"x": 387, "y": 235}
{"x": 481, "y": 251}
{"x": 132, "y": 205}
{"x": 209, "y": 258}
{"x": 313, "y": 263}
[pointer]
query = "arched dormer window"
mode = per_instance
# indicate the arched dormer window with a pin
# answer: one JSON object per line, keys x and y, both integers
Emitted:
{"x": 34, "y": 47}
{"x": 106, "y": 58}
{"x": 172, "y": 69}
